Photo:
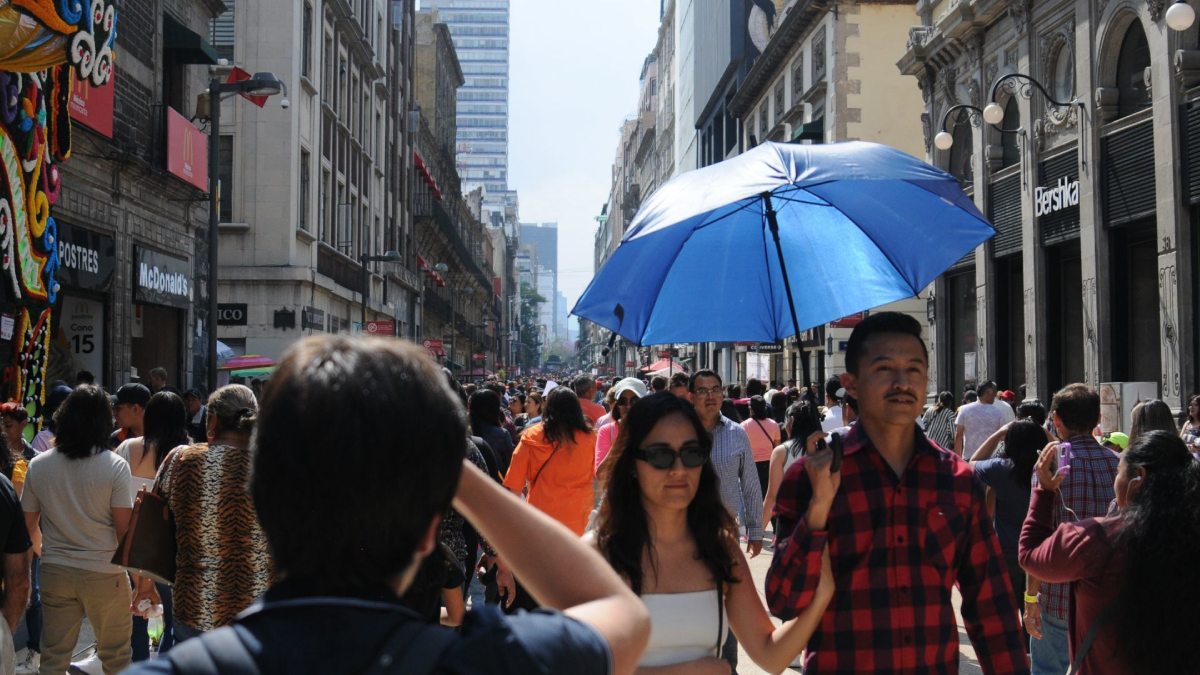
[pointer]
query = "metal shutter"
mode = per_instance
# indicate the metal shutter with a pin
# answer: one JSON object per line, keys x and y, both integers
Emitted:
{"x": 1062, "y": 225}
{"x": 1191, "y": 151}
{"x": 1004, "y": 210}
{"x": 1127, "y": 162}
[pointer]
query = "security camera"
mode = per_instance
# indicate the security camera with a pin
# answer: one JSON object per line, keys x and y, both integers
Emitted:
{"x": 285, "y": 104}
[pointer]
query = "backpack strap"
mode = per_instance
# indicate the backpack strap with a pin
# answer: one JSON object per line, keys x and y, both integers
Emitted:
{"x": 413, "y": 648}
{"x": 1093, "y": 632}
{"x": 219, "y": 652}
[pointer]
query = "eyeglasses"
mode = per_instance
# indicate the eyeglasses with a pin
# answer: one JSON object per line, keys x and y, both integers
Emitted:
{"x": 708, "y": 391}
{"x": 662, "y": 456}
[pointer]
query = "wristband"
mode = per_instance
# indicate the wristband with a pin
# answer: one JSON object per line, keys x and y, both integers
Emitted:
{"x": 1031, "y": 599}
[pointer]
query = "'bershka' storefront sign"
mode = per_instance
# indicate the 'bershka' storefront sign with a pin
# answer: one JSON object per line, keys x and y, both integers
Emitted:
{"x": 1064, "y": 194}
{"x": 161, "y": 279}
{"x": 86, "y": 259}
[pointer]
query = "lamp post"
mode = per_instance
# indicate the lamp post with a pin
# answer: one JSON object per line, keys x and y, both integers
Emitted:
{"x": 261, "y": 84}
{"x": 993, "y": 114}
{"x": 390, "y": 257}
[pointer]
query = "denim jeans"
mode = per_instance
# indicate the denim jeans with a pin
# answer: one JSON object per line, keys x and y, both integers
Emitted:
{"x": 140, "y": 639}
{"x": 33, "y": 614}
{"x": 1051, "y": 654}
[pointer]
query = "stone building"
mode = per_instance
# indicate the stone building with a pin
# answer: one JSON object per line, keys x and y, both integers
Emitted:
{"x": 309, "y": 190}
{"x": 1091, "y": 275}
{"x": 827, "y": 76}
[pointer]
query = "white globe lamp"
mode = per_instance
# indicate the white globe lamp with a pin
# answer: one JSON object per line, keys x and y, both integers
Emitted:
{"x": 943, "y": 141}
{"x": 993, "y": 114}
{"x": 1180, "y": 16}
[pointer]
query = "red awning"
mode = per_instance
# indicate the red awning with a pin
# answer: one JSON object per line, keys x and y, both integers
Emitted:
{"x": 424, "y": 171}
{"x": 421, "y": 264}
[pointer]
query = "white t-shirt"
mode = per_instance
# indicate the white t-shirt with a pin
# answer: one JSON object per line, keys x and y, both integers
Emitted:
{"x": 980, "y": 420}
{"x": 76, "y": 498}
{"x": 833, "y": 420}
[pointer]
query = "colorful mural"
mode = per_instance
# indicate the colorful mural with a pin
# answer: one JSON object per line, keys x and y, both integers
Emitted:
{"x": 44, "y": 46}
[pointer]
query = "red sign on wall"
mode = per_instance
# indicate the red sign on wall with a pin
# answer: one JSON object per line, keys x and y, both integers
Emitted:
{"x": 187, "y": 151}
{"x": 93, "y": 106}
{"x": 849, "y": 321}
{"x": 381, "y": 327}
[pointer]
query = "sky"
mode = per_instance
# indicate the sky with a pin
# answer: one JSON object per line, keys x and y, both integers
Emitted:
{"x": 573, "y": 79}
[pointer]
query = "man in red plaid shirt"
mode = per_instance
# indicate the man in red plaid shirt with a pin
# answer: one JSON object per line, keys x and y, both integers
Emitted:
{"x": 905, "y": 523}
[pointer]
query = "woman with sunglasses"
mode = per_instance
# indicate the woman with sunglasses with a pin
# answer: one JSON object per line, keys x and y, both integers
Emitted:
{"x": 663, "y": 527}
{"x": 625, "y": 393}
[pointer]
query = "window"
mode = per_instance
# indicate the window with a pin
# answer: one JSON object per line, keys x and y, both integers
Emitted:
{"x": 779, "y": 103}
{"x": 1131, "y": 72}
{"x": 222, "y": 32}
{"x": 818, "y": 56}
{"x": 327, "y": 87}
{"x": 225, "y": 177}
{"x": 305, "y": 188}
{"x": 962, "y": 153}
{"x": 762, "y": 121}
{"x": 324, "y": 208}
{"x": 1063, "y": 75}
{"x": 1008, "y": 141}
{"x": 306, "y": 55}
{"x": 798, "y": 78}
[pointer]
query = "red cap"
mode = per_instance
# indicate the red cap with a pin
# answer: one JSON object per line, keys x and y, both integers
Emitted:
{"x": 15, "y": 410}
{"x": 1008, "y": 395}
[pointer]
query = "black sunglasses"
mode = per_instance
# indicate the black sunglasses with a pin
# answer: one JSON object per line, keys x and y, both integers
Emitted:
{"x": 662, "y": 456}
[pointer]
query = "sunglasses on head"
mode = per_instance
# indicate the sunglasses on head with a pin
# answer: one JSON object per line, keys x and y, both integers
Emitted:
{"x": 662, "y": 456}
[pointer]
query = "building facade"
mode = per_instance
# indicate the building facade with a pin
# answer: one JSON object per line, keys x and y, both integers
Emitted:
{"x": 309, "y": 192}
{"x": 1091, "y": 275}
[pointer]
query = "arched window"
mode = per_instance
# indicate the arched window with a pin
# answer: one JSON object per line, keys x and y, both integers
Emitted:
{"x": 962, "y": 153}
{"x": 1008, "y": 141}
{"x": 1132, "y": 62}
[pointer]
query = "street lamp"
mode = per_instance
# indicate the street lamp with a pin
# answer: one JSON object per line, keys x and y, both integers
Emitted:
{"x": 993, "y": 113}
{"x": 261, "y": 84}
{"x": 1180, "y": 16}
{"x": 389, "y": 257}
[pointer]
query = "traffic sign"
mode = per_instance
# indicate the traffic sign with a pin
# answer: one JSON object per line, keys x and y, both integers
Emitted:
{"x": 387, "y": 327}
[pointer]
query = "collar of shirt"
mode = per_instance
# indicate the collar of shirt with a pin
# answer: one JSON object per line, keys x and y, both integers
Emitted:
{"x": 857, "y": 441}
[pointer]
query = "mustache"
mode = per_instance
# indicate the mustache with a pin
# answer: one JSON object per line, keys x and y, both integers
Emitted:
{"x": 898, "y": 394}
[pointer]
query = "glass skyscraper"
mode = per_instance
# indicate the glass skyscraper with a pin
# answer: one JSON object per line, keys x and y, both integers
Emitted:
{"x": 479, "y": 29}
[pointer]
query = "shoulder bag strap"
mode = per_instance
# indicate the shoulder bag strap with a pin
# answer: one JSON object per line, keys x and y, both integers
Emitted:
{"x": 1093, "y": 632}
{"x": 764, "y": 430}
{"x": 542, "y": 468}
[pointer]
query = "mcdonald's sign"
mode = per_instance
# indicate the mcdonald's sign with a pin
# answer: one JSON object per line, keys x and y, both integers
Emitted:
{"x": 93, "y": 106}
{"x": 187, "y": 151}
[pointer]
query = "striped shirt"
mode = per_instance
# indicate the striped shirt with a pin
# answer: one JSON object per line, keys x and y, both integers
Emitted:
{"x": 1088, "y": 491}
{"x": 734, "y": 464}
{"x": 939, "y": 427}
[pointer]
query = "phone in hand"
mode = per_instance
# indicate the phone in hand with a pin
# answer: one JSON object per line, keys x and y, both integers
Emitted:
{"x": 1064, "y": 458}
{"x": 835, "y": 442}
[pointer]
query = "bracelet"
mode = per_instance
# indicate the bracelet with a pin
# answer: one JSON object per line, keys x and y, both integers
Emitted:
{"x": 1031, "y": 599}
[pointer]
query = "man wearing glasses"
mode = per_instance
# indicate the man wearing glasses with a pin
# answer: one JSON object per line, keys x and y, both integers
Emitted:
{"x": 734, "y": 464}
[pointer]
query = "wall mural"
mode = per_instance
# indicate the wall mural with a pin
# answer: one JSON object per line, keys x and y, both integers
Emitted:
{"x": 45, "y": 47}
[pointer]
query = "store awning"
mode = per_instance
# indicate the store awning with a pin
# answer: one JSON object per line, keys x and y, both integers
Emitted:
{"x": 186, "y": 45}
{"x": 424, "y": 171}
{"x": 810, "y": 131}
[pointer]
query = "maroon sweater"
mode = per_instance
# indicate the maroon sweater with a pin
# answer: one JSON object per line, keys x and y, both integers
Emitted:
{"x": 1082, "y": 554}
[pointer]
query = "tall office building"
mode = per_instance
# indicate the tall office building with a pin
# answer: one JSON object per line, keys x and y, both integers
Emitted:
{"x": 479, "y": 29}
{"x": 543, "y": 239}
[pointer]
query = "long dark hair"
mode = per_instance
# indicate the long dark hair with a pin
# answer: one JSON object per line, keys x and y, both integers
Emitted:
{"x": 1194, "y": 399}
{"x": 806, "y": 420}
{"x": 484, "y": 408}
{"x": 563, "y": 417}
{"x": 1160, "y": 534}
{"x": 164, "y": 425}
{"x": 84, "y": 422}
{"x": 623, "y": 530}
{"x": 758, "y": 408}
{"x": 945, "y": 401}
{"x": 1150, "y": 415}
{"x": 1023, "y": 442}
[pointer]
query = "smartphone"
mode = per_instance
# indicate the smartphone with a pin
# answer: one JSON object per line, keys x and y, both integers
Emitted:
{"x": 835, "y": 442}
{"x": 1064, "y": 458}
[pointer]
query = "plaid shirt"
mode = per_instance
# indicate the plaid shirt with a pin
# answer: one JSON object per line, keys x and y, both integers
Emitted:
{"x": 734, "y": 463}
{"x": 899, "y": 545}
{"x": 1088, "y": 491}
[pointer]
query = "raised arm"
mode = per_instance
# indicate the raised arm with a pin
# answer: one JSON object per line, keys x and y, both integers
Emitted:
{"x": 575, "y": 579}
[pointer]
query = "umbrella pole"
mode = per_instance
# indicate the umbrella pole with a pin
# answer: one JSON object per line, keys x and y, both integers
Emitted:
{"x": 773, "y": 224}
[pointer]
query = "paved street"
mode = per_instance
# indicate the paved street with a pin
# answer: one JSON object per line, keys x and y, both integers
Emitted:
{"x": 758, "y": 567}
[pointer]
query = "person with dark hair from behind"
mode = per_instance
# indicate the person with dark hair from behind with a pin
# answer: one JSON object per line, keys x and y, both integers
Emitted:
{"x": 222, "y": 563}
{"x": 44, "y": 440}
{"x": 658, "y": 383}
{"x": 79, "y": 492}
{"x": 833, "y": 409}
{"x": 554, "y": 467}
{"x": 197, "y": 415}
{"x": 939, "y": 421}
{"x": 165, "y": 428}
{"x": 1151, "y": 415}
{"x": 335, "y": 605}
{"x": 763, "y": 433}
{"x": 1008, "y": 478}
{"x": 84, "y": 377}
{"x": 803, "y": 420}
{"x": 663, "y": 527}
{"x": 1086, "y": 492}
{"x": 1132, "y": 576}
{"x": 905, "y": 523}
{"x": 679, "y": 385}
{"x": 1032, "y": 409}
{"x": 487, "y": 422}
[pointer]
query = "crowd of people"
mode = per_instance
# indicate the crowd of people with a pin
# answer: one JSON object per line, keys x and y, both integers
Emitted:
{"x": 367, "y": 512}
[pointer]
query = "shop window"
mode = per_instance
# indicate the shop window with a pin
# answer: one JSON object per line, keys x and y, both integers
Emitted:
{"x": 962, "y": 153}
{"x": 962, "y": 330}
{"x": 1064, "y": 316}
{"x": 1010, "y": 322}
{"x": 1008, "y": 141}
{"x": 305, "y": 190}
{"x": 1134, "y": 59}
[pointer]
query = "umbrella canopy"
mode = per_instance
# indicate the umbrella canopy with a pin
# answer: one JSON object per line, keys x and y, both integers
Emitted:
{"x": 858, "y": 224}
{"x": 665, "y": 365}
{"x": 224, "y": 351}
{"x": 247, "y": 361}
{"x": 252, "y": 372}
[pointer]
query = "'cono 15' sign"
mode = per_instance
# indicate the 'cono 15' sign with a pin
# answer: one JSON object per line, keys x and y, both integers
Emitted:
{"x": 1063, "y": 195}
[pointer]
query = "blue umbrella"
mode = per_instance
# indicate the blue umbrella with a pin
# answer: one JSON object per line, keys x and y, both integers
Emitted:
{"x": 779, "y": 239}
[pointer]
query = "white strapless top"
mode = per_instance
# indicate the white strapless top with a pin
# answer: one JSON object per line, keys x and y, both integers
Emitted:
{"x": 683, "y": 627}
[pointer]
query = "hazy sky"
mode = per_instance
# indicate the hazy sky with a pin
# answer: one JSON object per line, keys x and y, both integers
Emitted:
{"x": 574, "y": 79}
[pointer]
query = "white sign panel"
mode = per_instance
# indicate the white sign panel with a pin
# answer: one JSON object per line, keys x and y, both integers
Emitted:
{"x": 81, "y": 325}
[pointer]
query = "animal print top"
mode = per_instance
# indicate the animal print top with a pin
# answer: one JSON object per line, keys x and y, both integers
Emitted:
{"x": 222, "y": 562}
